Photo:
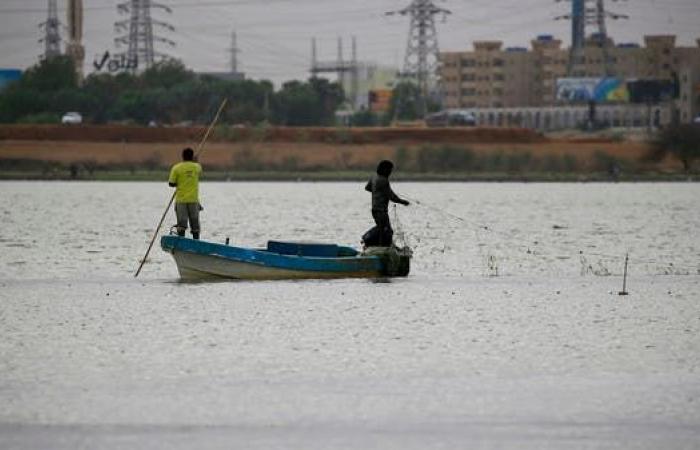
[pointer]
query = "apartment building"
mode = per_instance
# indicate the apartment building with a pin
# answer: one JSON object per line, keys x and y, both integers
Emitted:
{"x": 491, "y": 76}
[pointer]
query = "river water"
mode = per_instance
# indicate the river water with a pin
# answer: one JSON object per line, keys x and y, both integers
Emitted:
{"x": 508, "y": 334}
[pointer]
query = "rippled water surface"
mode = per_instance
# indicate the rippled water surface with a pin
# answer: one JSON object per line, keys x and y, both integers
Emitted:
{"x": 508, "y": 334}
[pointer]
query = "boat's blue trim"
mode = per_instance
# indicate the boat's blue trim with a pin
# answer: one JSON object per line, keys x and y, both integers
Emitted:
{"x": 350, "y": 264}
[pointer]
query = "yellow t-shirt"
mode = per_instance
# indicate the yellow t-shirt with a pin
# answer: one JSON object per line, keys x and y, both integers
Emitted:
{"x": 186, "y": 176}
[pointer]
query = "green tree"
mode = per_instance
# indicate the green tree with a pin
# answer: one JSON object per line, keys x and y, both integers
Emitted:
{"x": 681, "y": 141}
{"x": 33, "y": 93}
{"x": 364, "y": 118}
{"x": 166, "y": 74}
{"x": 17, "y": 102}
{"x": 50, "y": 75}
{"x": 104, "y": 90}
{"x": 405, "y": 102}
{"x": 296, "y": 104}
{"x": 167, "y": 92}
{"x": 330, "y": 97}
{"x": 142, "y": 106}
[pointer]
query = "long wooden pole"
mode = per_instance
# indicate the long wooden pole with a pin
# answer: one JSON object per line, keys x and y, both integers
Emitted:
{"x": 198, "y": 153}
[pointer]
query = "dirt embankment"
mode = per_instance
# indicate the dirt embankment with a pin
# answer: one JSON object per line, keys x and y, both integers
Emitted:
{"x": 329, "y": 149}
{"x": 130, "y": 134}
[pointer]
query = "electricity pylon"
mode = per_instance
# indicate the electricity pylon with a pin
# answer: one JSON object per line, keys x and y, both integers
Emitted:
{"x": 139, "y": 37}
{"x": 583, "y": 13}
{"x": 422, "y": 52}
{"x": 52, "y": 35}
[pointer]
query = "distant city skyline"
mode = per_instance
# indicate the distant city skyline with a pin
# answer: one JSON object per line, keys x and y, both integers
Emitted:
{"x": 274, "y": 36}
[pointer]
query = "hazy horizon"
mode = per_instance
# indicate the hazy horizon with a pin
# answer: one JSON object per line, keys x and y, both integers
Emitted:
{"x": 274, "y": 36}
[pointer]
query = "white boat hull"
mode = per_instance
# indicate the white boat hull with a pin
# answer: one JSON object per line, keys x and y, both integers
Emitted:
{"x": 197, "y": 267}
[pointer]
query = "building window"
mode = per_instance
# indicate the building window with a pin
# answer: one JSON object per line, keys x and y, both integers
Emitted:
{"x": 468, "y": 63}
{"x": 469, "y": 92}
{"x": 499, "y": 77}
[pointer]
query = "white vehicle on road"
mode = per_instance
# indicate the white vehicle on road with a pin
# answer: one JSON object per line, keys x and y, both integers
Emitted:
{"x": 72, "y": 118}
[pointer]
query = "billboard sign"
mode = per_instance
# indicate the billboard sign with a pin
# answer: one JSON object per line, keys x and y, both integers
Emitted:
{"x": 652, "y": 91}
{"x": 9, "y": 75}
{"x": 599, "y": 90}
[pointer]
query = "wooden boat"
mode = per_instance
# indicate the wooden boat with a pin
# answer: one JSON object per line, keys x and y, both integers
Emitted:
{"x": 201, "y": 260}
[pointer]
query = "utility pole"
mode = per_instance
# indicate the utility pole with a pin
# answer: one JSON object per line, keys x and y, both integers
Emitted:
{"x": 341, "y": 62}
{"x": 422, "y": 53}
{"x": 52, "y": 35}
{"x": 75, "y": 48}
{"x": 139, "y": 37}
{"x": 314, "y": 55}
{"x": 354, "y": 75}
{"x": 234, "y": 52}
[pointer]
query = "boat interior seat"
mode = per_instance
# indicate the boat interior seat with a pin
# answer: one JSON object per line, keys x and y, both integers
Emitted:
{"x": 312, "y": 249}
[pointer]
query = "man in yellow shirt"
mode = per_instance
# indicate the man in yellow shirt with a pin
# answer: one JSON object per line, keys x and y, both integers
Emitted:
{"x": 184, "y": 177}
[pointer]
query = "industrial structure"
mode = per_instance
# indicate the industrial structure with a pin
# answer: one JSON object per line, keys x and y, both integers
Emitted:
{"x": 74, "y": 47}
{"x": 583, "y": 13}
{"x": 234, "y": 74}
{"x": 138, "y": 36}
{"x": 346, "y": 70}
{"x": 52, "y": 33}
{"x": 421, "y": 60}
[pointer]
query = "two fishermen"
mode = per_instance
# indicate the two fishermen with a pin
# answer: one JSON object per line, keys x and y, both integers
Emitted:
{"x": 184, "y": 177}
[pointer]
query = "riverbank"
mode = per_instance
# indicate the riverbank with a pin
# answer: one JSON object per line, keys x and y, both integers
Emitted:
{"x": 328, "y": 154}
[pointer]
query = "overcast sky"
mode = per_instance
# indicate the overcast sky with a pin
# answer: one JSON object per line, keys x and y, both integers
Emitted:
{"x": 274, "y": 35}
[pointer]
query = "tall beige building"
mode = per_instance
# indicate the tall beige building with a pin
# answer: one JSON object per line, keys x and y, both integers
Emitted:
{"x": 491, "y": 76}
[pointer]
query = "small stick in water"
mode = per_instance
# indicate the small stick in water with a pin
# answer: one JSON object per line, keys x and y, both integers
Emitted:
{"x": 624, "y": 278}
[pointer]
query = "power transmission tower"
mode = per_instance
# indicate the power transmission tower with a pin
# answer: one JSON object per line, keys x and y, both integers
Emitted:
{"x": 578, "y": 33}
{"x": 422, "y": 52}
{"x": 583, "y": 13}
{"x": 139, "y": 37}
{"x": 52, "y": 35}
{"x": 601, "y": 14}
{"x": 74, "y": 47}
